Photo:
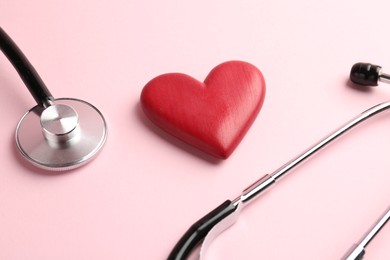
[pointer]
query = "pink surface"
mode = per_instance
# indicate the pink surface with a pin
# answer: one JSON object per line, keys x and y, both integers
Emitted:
{"x": 145, "y": 189}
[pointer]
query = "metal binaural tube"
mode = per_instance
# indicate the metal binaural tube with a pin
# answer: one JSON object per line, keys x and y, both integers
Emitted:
{"x": 232, "y": 208}
{"x": 254, "y": 190}
{"x": 377, "y": 227}
{"x": 358, "y": 250}
{"x": 385, "y": 78}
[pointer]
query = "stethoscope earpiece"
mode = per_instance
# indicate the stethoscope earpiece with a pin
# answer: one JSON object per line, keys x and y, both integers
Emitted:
{"x": 367, "y": 74}
{"x": 56, "y": 134}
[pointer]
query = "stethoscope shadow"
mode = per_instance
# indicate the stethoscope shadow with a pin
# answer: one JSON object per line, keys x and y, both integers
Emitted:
{"x": 360, "y": 88}
{"x": 173, "y": 140}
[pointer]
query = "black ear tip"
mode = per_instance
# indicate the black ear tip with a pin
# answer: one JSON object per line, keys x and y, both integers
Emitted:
{"x": 365, "y": 74}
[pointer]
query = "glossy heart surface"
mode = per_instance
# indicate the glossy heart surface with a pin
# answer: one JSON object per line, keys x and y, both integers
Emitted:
{"x": 213, "y": 115}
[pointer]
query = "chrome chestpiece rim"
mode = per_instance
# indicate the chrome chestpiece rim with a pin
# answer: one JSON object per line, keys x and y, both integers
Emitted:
{"x": 56, "y": 134}
{"x": 59, "y": 138}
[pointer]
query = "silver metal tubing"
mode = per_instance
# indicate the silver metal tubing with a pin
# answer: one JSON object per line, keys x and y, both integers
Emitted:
{"x": 385, "y": 78}
{"x": 265, "y": 182}
{"x": 377, "y": 227}
{"x": 357, "y": 251}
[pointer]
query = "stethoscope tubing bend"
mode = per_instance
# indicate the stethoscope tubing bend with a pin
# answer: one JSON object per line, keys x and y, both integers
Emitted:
{"x": 212, "y": 223}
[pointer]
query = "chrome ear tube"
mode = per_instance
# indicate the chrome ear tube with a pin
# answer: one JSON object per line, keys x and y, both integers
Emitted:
{"x": 358, "y": 250}
{"x": 56, "y": 134}
{"x": 210, "y": 226}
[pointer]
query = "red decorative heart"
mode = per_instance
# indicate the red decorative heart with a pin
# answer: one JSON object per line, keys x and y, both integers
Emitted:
{"x": 213, "y": 116}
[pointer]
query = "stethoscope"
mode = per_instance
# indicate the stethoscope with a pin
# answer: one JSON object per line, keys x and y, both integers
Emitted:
{"x": 56, "y": 134}
{"x": 64, "y": 133}
{"x": 210, "y": 226}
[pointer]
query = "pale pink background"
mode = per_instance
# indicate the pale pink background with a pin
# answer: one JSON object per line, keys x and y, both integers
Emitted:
{"x": 145, "y": 189}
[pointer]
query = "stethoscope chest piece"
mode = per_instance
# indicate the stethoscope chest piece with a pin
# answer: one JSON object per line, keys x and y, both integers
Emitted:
{"x": 56, "y": 134}
{"x": 59, "y": 138}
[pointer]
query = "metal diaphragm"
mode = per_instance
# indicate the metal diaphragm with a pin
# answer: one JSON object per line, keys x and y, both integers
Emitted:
{"x": 63, "y": 136}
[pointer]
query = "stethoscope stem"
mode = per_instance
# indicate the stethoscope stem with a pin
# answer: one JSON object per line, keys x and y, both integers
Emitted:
{"x": 26, "y": 71}
{"x": 261, "y": 185}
